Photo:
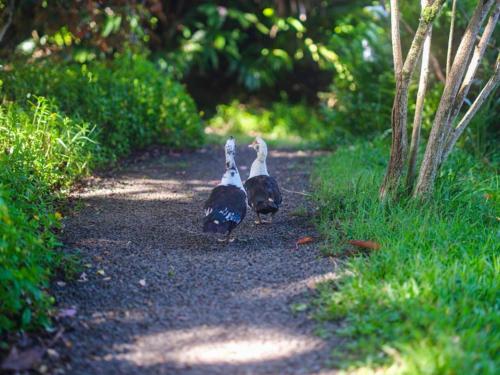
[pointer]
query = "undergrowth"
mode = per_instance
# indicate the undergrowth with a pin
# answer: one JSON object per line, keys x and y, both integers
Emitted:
{"x": 427, "y": 301}
{"x": 57, "y": 122}
{"x": 282, "y": 124}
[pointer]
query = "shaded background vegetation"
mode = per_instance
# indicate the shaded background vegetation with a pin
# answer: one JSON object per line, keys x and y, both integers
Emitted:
{"x": 333, "y": 55}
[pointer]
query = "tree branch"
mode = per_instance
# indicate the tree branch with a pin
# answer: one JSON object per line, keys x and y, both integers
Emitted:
{"x": 419, "y": 107}
{"x": 396, "y": 38}
{"x": 10, "y": 11}
{"x": 450, "y": 38}
{"x": 441, "y": 125}
{"x": 481, "y": 98}
{"x": 438, "y": 72}
{"x": 474, "y": 63}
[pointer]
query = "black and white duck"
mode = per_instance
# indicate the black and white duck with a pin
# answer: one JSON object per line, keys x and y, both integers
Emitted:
{"x": 226, "y": 206}
{"x": 264, "y": 195}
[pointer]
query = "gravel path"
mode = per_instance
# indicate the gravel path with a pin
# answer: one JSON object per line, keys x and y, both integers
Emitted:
{"x": 160, "y": 297}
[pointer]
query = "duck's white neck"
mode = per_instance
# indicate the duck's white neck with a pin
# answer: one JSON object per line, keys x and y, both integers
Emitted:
{"x": 231, "y": 176}
{"x": 259, "y": 167}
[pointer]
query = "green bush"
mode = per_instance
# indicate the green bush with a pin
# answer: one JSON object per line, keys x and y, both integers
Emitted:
{"x": 56, "y": 123}
{"x": 130, "y": 101}
{"x": 289, "y": 124}
{"x": 427, "y": 301}
{"x": 41, "y": 152}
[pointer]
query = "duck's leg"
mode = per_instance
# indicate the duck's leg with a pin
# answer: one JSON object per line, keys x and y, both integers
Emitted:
{"x": 270, "y": 221}
{"x": 259, "y": 220}
{"x": 229, "y": 239}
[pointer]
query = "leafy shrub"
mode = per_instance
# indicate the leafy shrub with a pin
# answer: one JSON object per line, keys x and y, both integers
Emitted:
{"x": 426, "y": 302}
{"x": 129, "y": 100}
{"x": 287, "y": 123}
{"x": 41, "y": 151}
{"x": 87, "y": 115}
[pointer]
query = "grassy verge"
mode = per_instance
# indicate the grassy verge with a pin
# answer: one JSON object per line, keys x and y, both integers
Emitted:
{"x": 57, "y": 122}
{"x": 427, "y": 301}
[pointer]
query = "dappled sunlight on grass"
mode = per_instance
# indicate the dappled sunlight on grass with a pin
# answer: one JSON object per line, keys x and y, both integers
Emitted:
{"x": 426, "y": 299}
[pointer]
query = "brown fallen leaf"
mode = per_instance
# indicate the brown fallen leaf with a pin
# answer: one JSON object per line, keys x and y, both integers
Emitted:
{"x": 303, "y": 241}
{"x": 372, "y": 245}
{"x": 23, "y": 360}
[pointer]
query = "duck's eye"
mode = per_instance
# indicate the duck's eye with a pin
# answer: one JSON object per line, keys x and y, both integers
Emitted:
{"x": 227, "y": 164}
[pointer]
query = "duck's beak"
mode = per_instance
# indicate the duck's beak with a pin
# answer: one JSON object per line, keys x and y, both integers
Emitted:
{"x": 252, "y": 145}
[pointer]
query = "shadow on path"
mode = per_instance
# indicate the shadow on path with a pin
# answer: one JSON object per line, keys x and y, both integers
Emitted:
{"x": 163, "y": 298}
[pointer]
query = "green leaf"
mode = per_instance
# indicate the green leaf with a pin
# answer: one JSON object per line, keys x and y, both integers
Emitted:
{"x": 297, "y": 25}
{"x": 26, "y": 317}
{"x": 268, "y": 12}
{"x": 219, "y": 42}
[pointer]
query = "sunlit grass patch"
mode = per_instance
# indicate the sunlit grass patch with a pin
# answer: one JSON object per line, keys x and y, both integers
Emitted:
{"x": 281, "y": 124}
{"x": 427, "y": 301}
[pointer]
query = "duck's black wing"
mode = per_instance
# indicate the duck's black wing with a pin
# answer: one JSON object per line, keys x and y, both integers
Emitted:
{"x": 264, "y": 195}
{"x": 224, "y": 209}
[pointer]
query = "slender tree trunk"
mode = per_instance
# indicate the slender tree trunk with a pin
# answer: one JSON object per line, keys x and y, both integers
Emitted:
{"x": 481, "y": 98}
{"x": 10, "y": 13}
{"x": 399, "y": 146}
{"x": 476, "y": 59}
{"x": 438, "y": 72}
{"x": 397, "y": 53}
{"x": 419, "y": 108}
{"x": 441, "y": 126}
{"x": 450, "y": 38}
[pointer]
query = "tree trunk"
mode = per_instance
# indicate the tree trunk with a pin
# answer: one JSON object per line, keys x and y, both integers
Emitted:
{"x": 441, "y": 126}
{"x": 10, "y": 13}
{"x": 397, "y": 53}
{"x": 481, "y": 98}
{"x": 450, "y": 38}
{"x": 419, "y": 108}
{"x": 476, "y": 59}
{"x": 399, "y": 147}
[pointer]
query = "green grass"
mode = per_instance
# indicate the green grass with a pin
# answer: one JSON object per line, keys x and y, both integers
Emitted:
{"x": 427, "y": 301}
{"x": 43, "y": 152}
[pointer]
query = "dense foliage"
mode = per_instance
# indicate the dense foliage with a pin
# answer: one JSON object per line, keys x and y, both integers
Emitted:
{"x": 426, "y": 301}
{"x": 87, "y": 115}
{"x": 43, "y": 152}
{"x": 129, "y": 100}
{"x": 281, "y": 123}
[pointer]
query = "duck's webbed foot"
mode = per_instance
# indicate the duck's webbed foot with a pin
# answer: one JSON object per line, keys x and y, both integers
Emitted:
{"x": 259, "y": 220}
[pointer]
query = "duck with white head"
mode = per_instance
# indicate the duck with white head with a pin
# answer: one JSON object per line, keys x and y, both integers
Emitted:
{"x": 226, "y": 206}
{"x": 264, "y": 195}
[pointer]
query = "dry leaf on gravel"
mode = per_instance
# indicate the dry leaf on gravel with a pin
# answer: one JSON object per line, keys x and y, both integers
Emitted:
{"x": 365, "y": 244}
{"x": 142, "y": 282}
{"x": 303, "y": 241}
{"x": 23, "y": 360}
{"x": 101, "y": 272}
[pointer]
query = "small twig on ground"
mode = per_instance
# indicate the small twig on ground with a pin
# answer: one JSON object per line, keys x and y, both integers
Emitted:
{"x": 296, "y": 192}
